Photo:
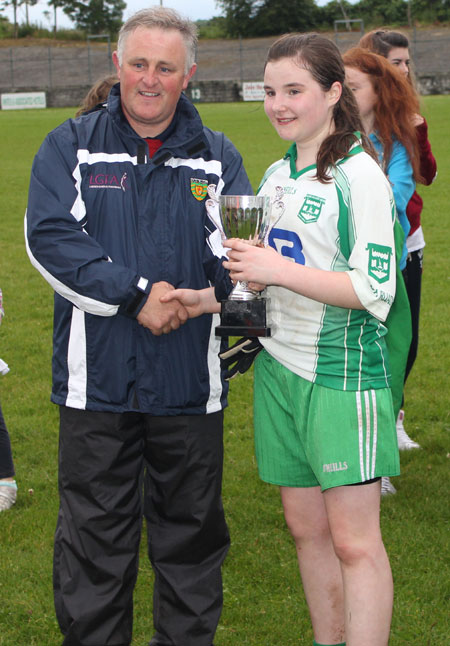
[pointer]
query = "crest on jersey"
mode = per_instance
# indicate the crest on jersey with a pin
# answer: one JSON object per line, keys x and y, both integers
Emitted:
{"x": 379, "y": 262}
{"x": 199, "y": 188}
{"x": 311, "y": 209}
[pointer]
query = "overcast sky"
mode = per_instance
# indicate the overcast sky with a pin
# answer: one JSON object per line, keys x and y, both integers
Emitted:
{"x": 193, "y": 9}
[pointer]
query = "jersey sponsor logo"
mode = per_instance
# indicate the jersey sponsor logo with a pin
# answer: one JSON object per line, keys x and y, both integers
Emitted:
{"x": 288, "y": 244}
{"x": 311, "y": 209}
{"x": 334, "y": 466}
{"x": 199, "y": 188}
{"x": 102, "y": 180}
{"x": 379, "y": 262}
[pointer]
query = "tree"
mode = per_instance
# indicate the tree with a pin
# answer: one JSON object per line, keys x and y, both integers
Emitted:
{"x": 268, "y": 17}
{"x": 55, "y": 4}
{"x": 279, "y": 17}
{"x": 95, "y": 16}
{"x": 381, "y": 12}
{"x": 212, "y": 28}
{"x": 431, "y": 10}
{"x": 239, "y": 15}
{"x": 14, "y": 4}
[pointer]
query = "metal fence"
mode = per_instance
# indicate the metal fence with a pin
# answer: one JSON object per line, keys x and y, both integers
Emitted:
{"x": 48, "y": 67}
{"x": 240, "y": 60}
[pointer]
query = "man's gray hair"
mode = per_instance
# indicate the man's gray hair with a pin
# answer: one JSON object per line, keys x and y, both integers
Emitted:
{"x": 161, "y": 18}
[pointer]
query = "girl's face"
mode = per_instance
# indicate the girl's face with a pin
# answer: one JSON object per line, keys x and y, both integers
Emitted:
{"x": 399, "y": 56}
{"x": 362, "y": 88}
{"x": 295, "y": 103}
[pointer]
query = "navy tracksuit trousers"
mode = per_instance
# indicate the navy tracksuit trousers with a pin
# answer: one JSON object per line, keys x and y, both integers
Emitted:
{"x": 115, "y": 469}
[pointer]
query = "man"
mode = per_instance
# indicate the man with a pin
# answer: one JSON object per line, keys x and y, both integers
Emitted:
{"x": 116, "y": 219}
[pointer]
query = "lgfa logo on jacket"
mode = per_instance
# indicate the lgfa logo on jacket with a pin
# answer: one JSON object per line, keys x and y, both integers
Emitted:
{"x": 379, "y": 262}
{"x": 101, "y": 180}
{"x": 199, "y": 188}
{"x": 311, "y": 209}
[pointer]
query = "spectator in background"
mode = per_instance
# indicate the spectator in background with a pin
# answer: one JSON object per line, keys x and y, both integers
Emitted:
{"x": 387, "y": 104}
{"x": 8, "y": 486}
{"x": 394, "y": 46}
{"x": 98, "y": 94}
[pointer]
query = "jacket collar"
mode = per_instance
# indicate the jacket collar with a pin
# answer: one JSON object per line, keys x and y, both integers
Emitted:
{"x": 186, "y": 139}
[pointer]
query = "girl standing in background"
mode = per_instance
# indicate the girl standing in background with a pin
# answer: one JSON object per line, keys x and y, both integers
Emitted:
{"x": 394, "y": 46}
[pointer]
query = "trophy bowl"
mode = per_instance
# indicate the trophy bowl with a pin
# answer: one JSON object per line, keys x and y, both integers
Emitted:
{"x": 246, "y": 217}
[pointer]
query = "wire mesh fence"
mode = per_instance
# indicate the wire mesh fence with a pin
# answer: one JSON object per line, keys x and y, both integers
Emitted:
{"x": 239, "y": 60}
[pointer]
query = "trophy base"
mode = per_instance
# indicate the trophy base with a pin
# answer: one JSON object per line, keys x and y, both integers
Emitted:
{"x": 243, "y": 318}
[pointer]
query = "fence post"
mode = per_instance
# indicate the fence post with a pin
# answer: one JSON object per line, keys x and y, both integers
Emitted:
{"x": 11, "y": 66}
{"x": 110, "y": 65}
{"x": 89, "y": 62}
{"x": 241, "y": 59}
{"x": 50, "y": 80}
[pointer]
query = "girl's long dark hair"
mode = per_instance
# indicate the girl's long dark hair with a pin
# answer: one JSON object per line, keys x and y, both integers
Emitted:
{"x": 381, "y": 41}
{"x": 323, "y": 60}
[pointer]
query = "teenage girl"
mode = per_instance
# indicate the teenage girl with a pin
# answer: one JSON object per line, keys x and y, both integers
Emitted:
{"x": 387, "y": 105}
{"x": 324, "y": 421}
{"x": 97, "y": 94}
{"x": 394, "y": 46}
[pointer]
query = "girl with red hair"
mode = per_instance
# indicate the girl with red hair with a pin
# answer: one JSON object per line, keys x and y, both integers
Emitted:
{"x": 394, "y": 46}
{"x": 387, "y": 104}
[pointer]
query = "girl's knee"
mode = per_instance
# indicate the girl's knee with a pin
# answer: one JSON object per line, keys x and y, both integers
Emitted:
{"x": 302, "y": 531}
{"x": 353, "y": 552}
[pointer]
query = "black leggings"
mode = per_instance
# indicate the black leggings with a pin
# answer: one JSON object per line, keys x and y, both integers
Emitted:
{"x": 412, "y": 275}
{"x": 6, "y": 461}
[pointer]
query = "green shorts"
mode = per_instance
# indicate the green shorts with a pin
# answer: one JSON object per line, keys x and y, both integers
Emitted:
{"x": 308, "y": 435}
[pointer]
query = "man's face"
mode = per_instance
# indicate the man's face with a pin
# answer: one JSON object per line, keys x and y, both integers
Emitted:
{"x": 152, "y": 76}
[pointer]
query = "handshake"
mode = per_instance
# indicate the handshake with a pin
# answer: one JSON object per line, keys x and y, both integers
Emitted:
{"x": 167, "y": 308}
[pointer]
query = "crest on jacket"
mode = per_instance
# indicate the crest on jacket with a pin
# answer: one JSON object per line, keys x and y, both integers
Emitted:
{"x": 199, "y": 188}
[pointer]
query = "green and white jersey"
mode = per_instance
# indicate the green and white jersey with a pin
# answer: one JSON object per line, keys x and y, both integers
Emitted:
{"x": 343, "y": 225}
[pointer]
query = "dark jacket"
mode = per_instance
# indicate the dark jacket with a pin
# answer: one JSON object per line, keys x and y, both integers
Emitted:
{"x": 428, "y": 171}
{"x": 104, "y": 222}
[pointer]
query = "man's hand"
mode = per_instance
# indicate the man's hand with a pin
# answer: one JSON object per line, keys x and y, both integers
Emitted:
{"x": 159, "y": 317}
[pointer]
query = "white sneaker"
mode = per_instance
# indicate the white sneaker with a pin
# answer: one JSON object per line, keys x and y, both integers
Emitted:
{"x": 387, "y": 488}
{"x": 405, "y": 443}
{"x": 8, "y": 494}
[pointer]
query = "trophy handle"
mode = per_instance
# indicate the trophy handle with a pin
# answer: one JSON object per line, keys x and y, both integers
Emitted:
{"x": 242, "y": 292}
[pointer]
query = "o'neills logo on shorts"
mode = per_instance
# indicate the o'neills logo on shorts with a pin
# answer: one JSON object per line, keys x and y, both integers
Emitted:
{"x": 335, "y": 466}
{"x": 101, "y": 180}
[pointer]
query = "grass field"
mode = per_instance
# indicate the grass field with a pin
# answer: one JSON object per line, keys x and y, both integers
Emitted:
{"x": 264, "y": 604}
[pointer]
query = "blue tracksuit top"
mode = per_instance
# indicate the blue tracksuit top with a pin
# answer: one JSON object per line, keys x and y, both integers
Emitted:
{"x": 104, "y": 222}
{"x": 400, "y": 174}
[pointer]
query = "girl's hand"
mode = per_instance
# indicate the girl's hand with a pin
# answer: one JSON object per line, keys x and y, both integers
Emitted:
{"x": 417, "y": 120}
{"x": 257, "y": 287}
{"x": 196, "y": 301}
{"x": 259, "y": 266}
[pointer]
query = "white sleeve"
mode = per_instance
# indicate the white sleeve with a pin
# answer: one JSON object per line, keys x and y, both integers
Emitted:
{"x": 372, "y": 260}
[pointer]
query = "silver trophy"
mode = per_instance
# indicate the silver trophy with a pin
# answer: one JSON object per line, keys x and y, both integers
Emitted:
{"x": 247, "y": 217}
